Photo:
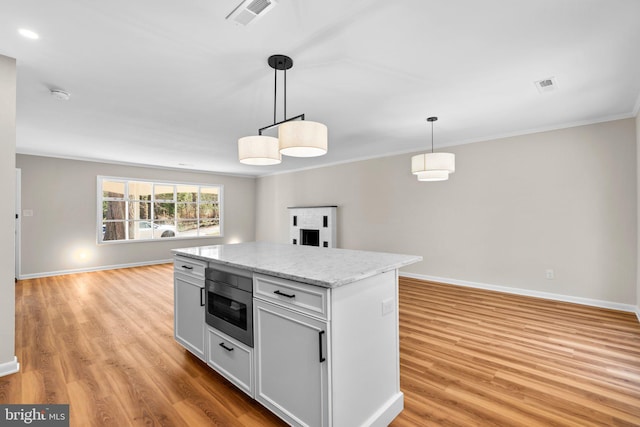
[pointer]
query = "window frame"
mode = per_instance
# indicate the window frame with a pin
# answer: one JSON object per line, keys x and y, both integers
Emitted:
{"x": 127, "y": 200}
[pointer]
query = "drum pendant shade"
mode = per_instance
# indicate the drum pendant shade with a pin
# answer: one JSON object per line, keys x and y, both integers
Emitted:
{"x": 302, "y": 138}
{"x": 433, "y": 176}
{"x": 259, "y": 150}
{"x": 433, "y": 161}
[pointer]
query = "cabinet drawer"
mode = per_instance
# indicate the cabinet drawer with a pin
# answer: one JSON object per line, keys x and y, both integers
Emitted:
{"x": 189, "y": 266}
{"x": 231, "y": 359}
{"x": 302, "y": 297}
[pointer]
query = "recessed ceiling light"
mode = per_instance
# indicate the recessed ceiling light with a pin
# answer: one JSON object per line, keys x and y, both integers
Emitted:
{"x": 28, "y": 34}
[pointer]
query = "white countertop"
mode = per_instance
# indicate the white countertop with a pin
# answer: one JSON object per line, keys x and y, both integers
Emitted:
{"x": 327, "y": 267}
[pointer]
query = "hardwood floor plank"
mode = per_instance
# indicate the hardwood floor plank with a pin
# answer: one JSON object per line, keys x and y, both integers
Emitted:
{"x": 103, "y": 342}
{"x": 90, "y": 409}
{"x": 32, "y": 388}
{"x": 10, "y": 388}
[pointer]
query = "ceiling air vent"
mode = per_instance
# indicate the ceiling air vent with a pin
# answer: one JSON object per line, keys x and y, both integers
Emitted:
{"x": 546, "y": 85}
{"x": 249, "y": 11}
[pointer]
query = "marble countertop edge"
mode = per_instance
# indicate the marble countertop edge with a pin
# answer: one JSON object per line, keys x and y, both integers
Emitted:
{"x": 260, "y": 259}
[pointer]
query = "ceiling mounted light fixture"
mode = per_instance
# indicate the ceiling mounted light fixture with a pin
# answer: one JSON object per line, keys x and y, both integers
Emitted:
{"x": 24, "y": 32}
{"x": 297, "y": 137}
{"x": 433, "y": 166}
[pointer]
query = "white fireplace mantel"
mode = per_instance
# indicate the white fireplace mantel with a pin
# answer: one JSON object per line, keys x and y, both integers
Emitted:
{"x": 313, "y": 226}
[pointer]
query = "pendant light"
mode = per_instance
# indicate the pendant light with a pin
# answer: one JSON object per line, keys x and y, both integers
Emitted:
{"x": 433, "y": 166}
{"x": 297, "y": 137}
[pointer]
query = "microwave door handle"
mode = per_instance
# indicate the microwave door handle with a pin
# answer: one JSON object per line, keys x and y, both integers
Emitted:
{"x": 223, "y": 289}
{"x": 229, "y": 291}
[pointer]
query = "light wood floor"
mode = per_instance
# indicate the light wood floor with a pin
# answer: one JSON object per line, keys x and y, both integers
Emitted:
{"x": 473, "y": 357}
{"x": 104, "y": 343}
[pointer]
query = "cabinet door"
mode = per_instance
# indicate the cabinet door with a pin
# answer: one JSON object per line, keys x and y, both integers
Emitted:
{"x": 189, "y": 314}
{"x": 292, "y": 364}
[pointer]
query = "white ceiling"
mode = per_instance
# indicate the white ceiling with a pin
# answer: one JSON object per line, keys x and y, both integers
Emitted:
{"x": 172, "y": 83}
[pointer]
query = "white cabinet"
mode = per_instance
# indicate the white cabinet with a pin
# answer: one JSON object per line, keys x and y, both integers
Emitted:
{"x": 231, "y": 359}
{"x": 291, "y": 364}
{"x": 328, "y": 357}
{"x": 322, "y": 357}
{"x": 189, "y": 294}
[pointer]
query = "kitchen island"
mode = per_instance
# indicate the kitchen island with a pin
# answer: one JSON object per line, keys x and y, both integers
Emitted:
{"x": 324, "y": 323}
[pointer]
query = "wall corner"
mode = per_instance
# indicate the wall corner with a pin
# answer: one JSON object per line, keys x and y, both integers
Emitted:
{"x": 8, "y": 360}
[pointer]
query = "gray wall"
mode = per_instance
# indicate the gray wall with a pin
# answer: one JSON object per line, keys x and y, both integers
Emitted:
{"x": 7, "y": 209}
{"x": 564, "y": 200}
{"x": 62, "y": 195}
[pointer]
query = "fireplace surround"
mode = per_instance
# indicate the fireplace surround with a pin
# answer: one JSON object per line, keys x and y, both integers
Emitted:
{"x": 313, "y": 226}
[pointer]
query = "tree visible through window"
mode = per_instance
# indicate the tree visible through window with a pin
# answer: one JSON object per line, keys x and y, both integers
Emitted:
{"x": 144, "y": 210}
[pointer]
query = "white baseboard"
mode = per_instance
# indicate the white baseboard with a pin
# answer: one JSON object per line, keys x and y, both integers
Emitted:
{"x": 387, "y": 412}
{"x": 10, "y": 367}
{"x": 90, "y": 269}
{"x": 529, "y": 293}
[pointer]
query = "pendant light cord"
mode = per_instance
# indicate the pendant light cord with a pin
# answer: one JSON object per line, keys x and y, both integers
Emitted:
{"x": 432, "y": 119}
{"x": 275, "y": 92}
{"x": 432, "y": 137}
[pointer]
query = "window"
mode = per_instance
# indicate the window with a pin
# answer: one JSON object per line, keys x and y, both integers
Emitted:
{"x": 149, "y": 210}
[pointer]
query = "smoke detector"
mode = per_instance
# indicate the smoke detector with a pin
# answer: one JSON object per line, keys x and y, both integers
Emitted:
{"x": 60, "y": 94}
{"x": 546, "y": 85}
{"x": 249, "y": 11}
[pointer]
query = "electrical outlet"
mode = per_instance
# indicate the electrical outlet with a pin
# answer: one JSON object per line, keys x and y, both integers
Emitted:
{"x": 549, "y": 274}
{"x": 387, "y": 306}
{"x": 27, "y": 212}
